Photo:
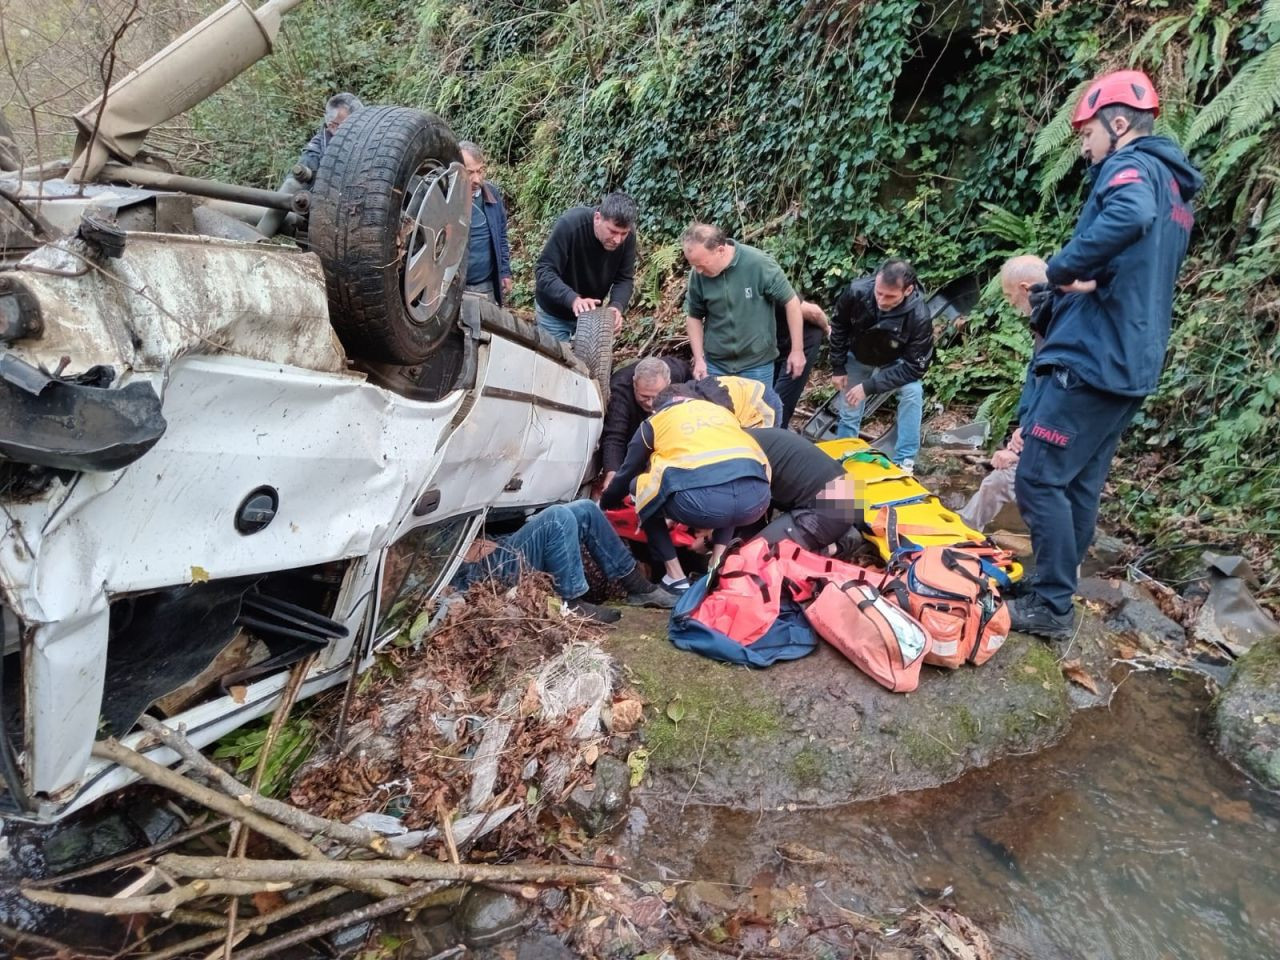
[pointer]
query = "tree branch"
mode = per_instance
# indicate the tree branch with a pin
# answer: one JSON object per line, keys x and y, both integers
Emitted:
{"x": 344, "y": 871}
{"x": 285, "y": 813}
{"x": 112, "y": 749}
{"x": 155, "y": 902}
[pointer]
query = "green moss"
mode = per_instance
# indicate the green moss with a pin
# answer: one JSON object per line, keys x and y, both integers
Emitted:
{"x": 808, "y": 765}
{"x": 1042, "y": 663}
{"x": 722, "y": 704}
{"x": 926, "y": 750}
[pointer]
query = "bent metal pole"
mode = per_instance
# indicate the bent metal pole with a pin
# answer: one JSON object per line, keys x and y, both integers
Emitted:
{"x": 200, "y": 62}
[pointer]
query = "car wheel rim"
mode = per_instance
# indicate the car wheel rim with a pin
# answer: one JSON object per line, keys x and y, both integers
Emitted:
{"x": 435, "y": 222}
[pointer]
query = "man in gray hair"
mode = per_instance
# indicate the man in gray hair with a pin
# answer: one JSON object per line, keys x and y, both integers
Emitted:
{"x": 336, "y": 111}
{"x": 489, "y": 254}
{"x": 632, "y": 391}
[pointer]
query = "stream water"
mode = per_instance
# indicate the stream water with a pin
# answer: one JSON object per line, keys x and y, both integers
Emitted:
{"x": 1129, "y": 840}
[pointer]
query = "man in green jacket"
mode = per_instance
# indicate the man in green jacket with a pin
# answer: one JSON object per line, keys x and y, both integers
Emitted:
{"x": 729, "y": 307}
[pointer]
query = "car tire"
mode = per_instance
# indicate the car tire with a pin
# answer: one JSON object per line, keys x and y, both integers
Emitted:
{"x": 383, "y": 167}
{"x": 593, "y": 345}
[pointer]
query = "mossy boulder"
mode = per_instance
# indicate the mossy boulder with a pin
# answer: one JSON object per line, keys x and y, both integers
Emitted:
{"x": 817, "y": 731}
{"x": 1247, "y": 714}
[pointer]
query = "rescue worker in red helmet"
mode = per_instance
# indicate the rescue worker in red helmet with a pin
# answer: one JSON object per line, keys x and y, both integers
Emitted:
{"x": 1112, "y": 304}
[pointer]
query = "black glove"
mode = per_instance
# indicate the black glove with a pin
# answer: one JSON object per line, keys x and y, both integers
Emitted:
{"x": 1041, "y": 296}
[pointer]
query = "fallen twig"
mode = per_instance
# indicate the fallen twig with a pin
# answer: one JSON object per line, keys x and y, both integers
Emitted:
{"x": 250, "y": 924}
{"x": 349, "y": 919}
{"x": 112, "y": 749}
{"x": 155, "y": 902}
{"x": 239, "y": 842}
{"x": 341, "y": 871}
{"x": 19, "y": 937}
{"x": 285, "y": 813}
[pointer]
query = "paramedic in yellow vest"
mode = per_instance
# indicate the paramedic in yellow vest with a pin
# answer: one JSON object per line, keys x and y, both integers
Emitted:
{"x": 754, "y": 404}
{"x": 692, "y": 463}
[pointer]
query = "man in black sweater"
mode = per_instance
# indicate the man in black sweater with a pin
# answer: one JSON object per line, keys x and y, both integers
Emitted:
{"x": 811, "y": 488}
{"x": 632, "y": 391}
{"x": 590, "y": 256}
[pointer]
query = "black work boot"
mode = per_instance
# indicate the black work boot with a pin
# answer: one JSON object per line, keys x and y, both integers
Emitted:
{"x": 593, "y": 612}
{"x": 642, "y": 593}
{"x": 1028, "y": 614}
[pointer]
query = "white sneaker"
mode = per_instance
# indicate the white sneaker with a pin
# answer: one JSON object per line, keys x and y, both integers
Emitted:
{"x": 908, "y": 467}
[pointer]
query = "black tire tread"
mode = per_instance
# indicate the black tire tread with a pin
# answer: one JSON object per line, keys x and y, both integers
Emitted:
{"x": 593, "y": 345}
{"x": 355, "y": 217}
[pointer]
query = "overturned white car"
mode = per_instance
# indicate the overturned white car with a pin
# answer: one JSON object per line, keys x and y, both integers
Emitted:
{"x": 219, "y": 456}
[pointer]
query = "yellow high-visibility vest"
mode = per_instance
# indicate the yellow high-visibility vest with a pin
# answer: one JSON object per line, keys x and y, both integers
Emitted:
{"x": 692, "y": 434}
{"x": 748, "y": 401}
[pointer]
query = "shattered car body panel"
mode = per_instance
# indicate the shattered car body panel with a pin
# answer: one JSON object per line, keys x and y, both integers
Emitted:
{"x": 175, "y": 295}
{"x": 204, "y": 480}
{"x": 349, "y": 461}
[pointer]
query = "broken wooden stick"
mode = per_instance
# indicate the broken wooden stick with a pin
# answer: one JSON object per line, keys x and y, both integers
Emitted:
{"x": 271, "y": 948}
{"x": 112, "y": 749}
{"x": 154, "y": 902}
{"x": 277, "y": 810}
{"x": 248, "y": 924}
{"x": 345, "y": 871}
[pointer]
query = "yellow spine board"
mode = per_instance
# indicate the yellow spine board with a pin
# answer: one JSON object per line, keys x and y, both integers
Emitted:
{"x": 924, "y": 521}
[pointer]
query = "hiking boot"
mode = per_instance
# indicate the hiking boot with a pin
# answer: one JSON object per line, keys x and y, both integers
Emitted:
{"x": 593, "y": 612}
{"x": 1029, "y": 614}
{"x": 653, "y": 597}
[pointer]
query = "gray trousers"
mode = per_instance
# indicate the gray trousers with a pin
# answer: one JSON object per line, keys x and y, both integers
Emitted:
{"x": 996, "y": 491}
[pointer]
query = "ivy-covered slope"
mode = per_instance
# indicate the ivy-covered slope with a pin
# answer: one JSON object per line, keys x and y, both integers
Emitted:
{"x": 836, "y": 133}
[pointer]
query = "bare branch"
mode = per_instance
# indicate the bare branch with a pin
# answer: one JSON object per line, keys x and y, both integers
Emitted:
{"x": 115, "y": 751}
{"x": 341, "y": 871}
{"x": 155, "y": 902}
{"x": 285, "y": 813}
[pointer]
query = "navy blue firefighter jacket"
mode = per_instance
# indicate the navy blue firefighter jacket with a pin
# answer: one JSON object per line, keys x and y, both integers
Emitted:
{"x": 1131, "y": 238}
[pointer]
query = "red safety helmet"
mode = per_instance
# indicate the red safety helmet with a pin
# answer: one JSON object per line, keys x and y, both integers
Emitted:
{"x": 1132, "y": 88}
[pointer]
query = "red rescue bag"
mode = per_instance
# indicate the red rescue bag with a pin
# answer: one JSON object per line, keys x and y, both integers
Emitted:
{"x": 948, "y": 591}
{"x": 882, "y": 640}
{"x": 744, "y": 592}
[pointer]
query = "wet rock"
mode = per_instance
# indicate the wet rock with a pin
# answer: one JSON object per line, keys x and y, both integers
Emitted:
{"x": 545, "y": 947}
{"x": 1247, "y": 714}
{"x": 817, "y": 731}
{"x": 603, "y": 807}
{"x": 487, "y": 917}
{"x": 706, "y": 902}
{"x": 1107, "y": 551}
{"x": 97, "y": 837}
{"x": 1149, "y": 626}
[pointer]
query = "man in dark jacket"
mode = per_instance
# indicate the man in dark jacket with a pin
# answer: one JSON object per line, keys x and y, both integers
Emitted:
{"x": 336, "y": 111}
{"x": 590, "y": 256}
{"x": 1103, "y": 351}
{"x": 882, "y": 342}
{"x": 632, "y": 391}
{"x": 816, "y": 329}
{"x": 489, "y": 253}
{"x": 811, "y": 490}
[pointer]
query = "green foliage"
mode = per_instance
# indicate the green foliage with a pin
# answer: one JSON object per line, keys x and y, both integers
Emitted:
{"x": 834, "y": 134}
{"x": 293, "y": 746}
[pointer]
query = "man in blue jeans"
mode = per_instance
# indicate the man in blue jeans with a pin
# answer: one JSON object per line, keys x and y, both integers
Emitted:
{"x": 1104, "y": 348}
{"x": 552, "y": 543}
{"x": 882, "y": 342}
{"x": 588, "y": 261}
{"x": 729, "y": 308}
